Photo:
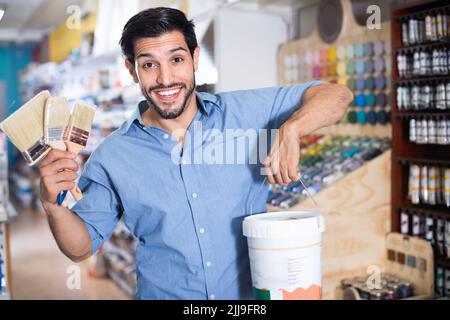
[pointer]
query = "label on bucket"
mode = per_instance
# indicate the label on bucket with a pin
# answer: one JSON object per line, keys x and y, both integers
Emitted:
{"x": 292, "y": 273}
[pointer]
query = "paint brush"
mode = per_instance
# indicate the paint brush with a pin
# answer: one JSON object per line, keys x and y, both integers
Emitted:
{"x": 25, "y": 128}
{"x": 76, "y": 136}
{"x": 56, "y": 119}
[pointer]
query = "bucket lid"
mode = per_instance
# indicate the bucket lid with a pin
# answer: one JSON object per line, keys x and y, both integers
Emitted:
{"x": 283, "y": 224}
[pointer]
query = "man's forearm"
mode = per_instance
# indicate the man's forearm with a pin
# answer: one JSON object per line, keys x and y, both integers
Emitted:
{"x": 69, "y": 231}
{"x": 323, "y": 106}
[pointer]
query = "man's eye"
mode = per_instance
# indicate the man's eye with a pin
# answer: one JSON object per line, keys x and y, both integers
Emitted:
{"x": 147, "y": 65}
{"x": 178, "y": 59}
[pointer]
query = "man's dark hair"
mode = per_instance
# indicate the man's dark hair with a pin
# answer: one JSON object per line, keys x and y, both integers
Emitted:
{"x": 155, "y": 22}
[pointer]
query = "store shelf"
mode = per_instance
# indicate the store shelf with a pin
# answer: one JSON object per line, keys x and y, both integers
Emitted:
{"x": 421, "y": 113}
{"x": 422, "y": 46}
{"x": 420, "y": 9}
{"x": 422, "y": 79}
{"x": 405, "y": 152}
{"x": 421, "y": 161}
{"x": 438, "y": 211}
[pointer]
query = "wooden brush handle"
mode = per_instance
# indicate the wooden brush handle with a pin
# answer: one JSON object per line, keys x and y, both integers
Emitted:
{"x": 76, "y": 193}
{"x": 75, "y": 148}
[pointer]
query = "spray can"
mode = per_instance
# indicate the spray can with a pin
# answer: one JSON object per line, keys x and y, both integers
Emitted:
{"x": 440, "y": 231}
{"x": 428, "y": 31}
{"x": 432, "y": 134}
{"x": 416, "y": 225}
{"x": 415, "y": 97}
{"x": 412, "y": 130}
{"x": 424, "y": 131}
{"x": 447, "y": 129}
{"x": 429, "y": 232}
{"x": 405, "y": 33}
{"x": 447, "y": 91}
{"x": 415, "y": 190}
{"x": 441, "y": 131}
{"x": 427, "y": 97}
{"x": 424, "y": 194}
{"x": 419, "y": 131}
{"x": 447, "y": 238}
{"x": 440, "y": 281}
{"x": 404, "y": 223}
{"x": 441, "y": 96}
{"x": 412, "y": 31}
{"x": 440, "y": 25}
{"x": 433, "y": 176}
{"x": 447, "y": 283}
{"x": 447, "y": 187}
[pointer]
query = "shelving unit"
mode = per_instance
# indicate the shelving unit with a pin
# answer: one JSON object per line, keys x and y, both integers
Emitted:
{"x": 6, "y": 212}
{"x": 404, "y": 152}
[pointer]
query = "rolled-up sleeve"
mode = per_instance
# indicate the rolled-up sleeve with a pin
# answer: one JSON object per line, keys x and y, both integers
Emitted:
{"x": 286, "y": 100}
{"x": 100, "y": 207}
{"x": 265, "y": 108}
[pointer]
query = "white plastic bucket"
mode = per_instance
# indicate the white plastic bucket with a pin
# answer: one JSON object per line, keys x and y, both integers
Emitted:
{"x": 285, "y": 250}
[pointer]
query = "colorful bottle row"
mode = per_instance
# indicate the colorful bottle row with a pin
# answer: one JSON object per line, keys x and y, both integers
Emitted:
{"x": 430, "y": 130}
{"x": 429, "y": 185}
{"x": 434, "y": 230}
{"x": 424, "y": 97}
{"x": 425, "y": 28}
{"x": 417, "y": 63}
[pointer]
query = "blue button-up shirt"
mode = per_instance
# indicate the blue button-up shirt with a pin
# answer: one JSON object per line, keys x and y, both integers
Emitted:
{"x": 184, "y": 207}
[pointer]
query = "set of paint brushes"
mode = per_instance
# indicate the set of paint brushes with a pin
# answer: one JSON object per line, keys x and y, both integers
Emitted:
{"x": 45, "y": 122}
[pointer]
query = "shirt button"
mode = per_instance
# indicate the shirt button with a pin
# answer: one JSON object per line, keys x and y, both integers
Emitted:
{"x": 202, "y": 230}
{"x": 194, "y": 195}
{"x": 208, "y": 264}
{"x": 165, "y": 136}
{"x": 212, "y": 296}
{"x": 183, "y": 161}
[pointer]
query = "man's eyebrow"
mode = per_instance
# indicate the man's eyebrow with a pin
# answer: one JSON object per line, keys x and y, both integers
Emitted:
{"x": 177, "y": 49}
{"x": 149, "y": 55}
{"x": 145, "y": 54}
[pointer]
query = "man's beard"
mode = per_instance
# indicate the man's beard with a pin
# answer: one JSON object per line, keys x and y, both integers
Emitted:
{"x": 172, "y": 114}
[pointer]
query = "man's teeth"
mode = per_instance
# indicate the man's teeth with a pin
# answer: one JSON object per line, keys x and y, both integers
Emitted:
{"x": 169, "y": 92}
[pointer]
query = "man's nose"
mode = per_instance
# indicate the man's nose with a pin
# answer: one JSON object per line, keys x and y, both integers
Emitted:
{"x": 164, "y": 75}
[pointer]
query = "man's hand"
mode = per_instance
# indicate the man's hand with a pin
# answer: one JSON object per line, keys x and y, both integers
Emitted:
{"x": 321, "y": 106}
{"x": 58, "y": 172}
{"x": 281, "y": 164}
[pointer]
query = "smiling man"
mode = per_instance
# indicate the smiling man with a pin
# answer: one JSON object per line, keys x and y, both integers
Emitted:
{"x": 186, "y": 216}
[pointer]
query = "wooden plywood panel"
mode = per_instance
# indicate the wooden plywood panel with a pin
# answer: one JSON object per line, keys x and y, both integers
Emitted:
{"x": 418, "y": 249}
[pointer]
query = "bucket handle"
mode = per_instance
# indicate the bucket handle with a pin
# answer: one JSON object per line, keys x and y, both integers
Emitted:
{"x": 299, "y": 179}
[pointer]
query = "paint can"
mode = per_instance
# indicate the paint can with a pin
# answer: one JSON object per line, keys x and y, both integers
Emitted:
{"x": 285, "y": 250}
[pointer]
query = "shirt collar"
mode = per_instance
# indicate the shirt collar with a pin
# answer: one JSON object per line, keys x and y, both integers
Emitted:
{"x": 202, "y": 98}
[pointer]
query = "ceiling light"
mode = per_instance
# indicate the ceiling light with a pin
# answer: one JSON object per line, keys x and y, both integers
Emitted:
{"x": 2, "y": 12}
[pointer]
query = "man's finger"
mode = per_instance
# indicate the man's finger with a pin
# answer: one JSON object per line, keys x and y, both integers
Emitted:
{"x": 65, "y": 185}
{"x": 64, "y": 176}
{"x": 293, "y": 172}
{"x": 58, "y": 166}
{"x": 285, "y": 174}
{"x": 56, "y": 154}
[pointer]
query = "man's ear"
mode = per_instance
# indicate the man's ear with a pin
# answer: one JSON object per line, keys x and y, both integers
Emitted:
{"x": 131, "y": 70}
{"x": 196, "y": 56}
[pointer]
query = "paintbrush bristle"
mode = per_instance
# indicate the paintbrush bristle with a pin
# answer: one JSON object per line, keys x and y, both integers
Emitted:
{"x": 57, "y": 115}
{"x": 82, "y": 116}
{"x": 80, "y": 125}
{"x": 25, "y": 128}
